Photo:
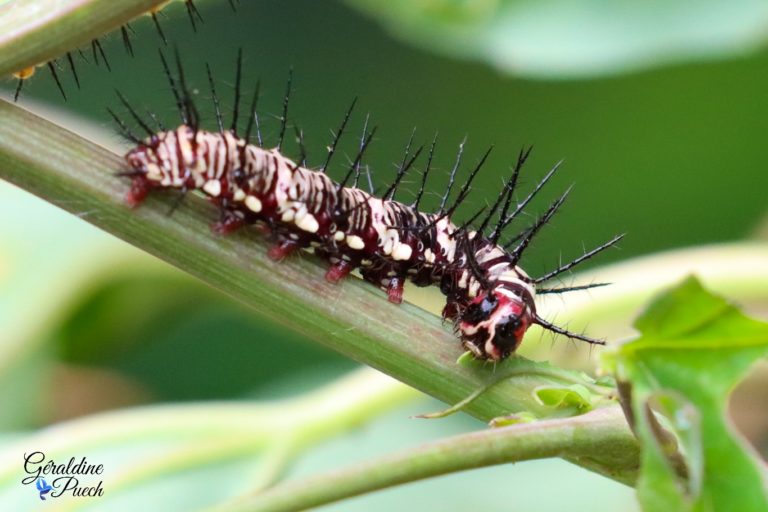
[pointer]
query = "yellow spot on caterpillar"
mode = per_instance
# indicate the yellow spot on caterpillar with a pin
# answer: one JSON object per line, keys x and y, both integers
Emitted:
{"x": 402, "y": 252}
{"x": 212, "y": 188}
{"x": 239, "y": 195}
{"x": 355, "y": 242}
{"x": 339, "y": 236}
{"x": 153, "y": 172}
{"x": 463, "y": 280}
{"x": 253, "y": 204}
{"x": 308, "y": 223}
{"x": 388, "y": 246}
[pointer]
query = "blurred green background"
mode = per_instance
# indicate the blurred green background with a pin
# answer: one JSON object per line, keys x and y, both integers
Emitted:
{"x": 673, "y": 155}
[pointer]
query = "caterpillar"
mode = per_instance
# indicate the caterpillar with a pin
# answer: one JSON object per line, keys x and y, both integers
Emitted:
{"x": 489, "y": 298}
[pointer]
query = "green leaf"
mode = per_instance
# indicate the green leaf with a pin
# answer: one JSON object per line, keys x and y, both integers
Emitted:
{"x": 565, "y": 39}
{"x": 693, "y": 349}
{"x": 574, "y": 396}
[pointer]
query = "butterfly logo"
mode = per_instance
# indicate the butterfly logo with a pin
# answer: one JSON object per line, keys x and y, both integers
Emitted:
{"x": 43, "y": 487}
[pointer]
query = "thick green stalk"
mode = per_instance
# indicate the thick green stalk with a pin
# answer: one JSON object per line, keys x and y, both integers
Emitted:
{"x": 34, "y": 32}
{"x": 580, "y": 436}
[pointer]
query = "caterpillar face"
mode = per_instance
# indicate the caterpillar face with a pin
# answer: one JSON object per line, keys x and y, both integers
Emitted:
{"x": 164, "y": 160}
{"x": 493, "y": 325}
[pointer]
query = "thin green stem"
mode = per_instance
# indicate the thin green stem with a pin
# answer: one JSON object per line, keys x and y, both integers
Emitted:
{"x": 577, "y": 436}
{"x": 525, "y": 368}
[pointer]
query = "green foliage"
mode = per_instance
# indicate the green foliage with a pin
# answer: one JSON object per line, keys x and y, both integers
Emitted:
{"x": 575, "y": 396}
{"x": 566, "y": 39}
{"x": 693, "y": 349}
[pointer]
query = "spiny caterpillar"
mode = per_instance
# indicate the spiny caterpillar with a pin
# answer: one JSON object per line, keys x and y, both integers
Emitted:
{"x": 490, "y": 298}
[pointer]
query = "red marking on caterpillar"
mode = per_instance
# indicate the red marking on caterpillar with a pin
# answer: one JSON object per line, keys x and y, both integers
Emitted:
{"x": 489, "y": 297}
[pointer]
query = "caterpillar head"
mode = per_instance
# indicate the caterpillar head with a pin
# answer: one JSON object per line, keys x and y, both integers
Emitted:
{"x": 493, "y": 324}
{"x": 165, "y": 159}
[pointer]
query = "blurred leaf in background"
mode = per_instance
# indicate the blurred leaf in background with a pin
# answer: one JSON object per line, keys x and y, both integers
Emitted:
{"x": 557, "y": 39}
{"x": 694, "y": 349}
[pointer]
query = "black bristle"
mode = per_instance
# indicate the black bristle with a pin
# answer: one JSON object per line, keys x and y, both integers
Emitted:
{"x": 99, "y": 50}
{"x": 18, "y": 90}
{"x": 302, "y": 147}
{"x": 369, "y": 178}
{"x": 127, "y": 40}
{"x": 133, "y": 113}
{"x": 159, "y": 29}
{"x": 189, "y": 105}
{"x": 452, "y": 177}
{"x": 157, "y": 121}
{"x": 566, "y": 289}
{"x": 358, "y": 162}
{"x": 474, "y": 266}
{"x": 390, "y": 193}
{"x": 176, "y": 93}
{"x": 215, "y": 99}
{"x": 337, "y": 137}
{"x": 584, "y": 257}
{"x": 127, "y": 133}
{"x": 505, "y": 196}
{"x": 401, "y": 172}
{"x": 73, "y": 69}
{"x": 559, "y": 330}
{"x": 464, "y": 191}
{"x": 238, "y": 85}
{"x": 358, "y": 158}
{"x": 540, "y": 223}
{"x": 467, "y": 223}
{"x": 192, "y": 11}
{"x": 521, "y": 206}
{"x": 425, "y": 174}
{"x": 254, "y": 117}
{"x": 52, "y": 68}
{"x": 284, "y": 116}
{"x": 499, "y": 229}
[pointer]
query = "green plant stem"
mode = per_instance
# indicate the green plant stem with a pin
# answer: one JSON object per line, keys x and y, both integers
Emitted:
{"x": 581, "y": 435}
{"x": 33, "y": 33}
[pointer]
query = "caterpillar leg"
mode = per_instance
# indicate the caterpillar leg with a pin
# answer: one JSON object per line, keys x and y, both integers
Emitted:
{"x": 395, "y": 290}
{"x": 139, "y": 189}
{"x": 283, "y": 249}
{"x": 229, "y": 222}
{"x": 450, "y": 311}
{"x": 338, "y": 271}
